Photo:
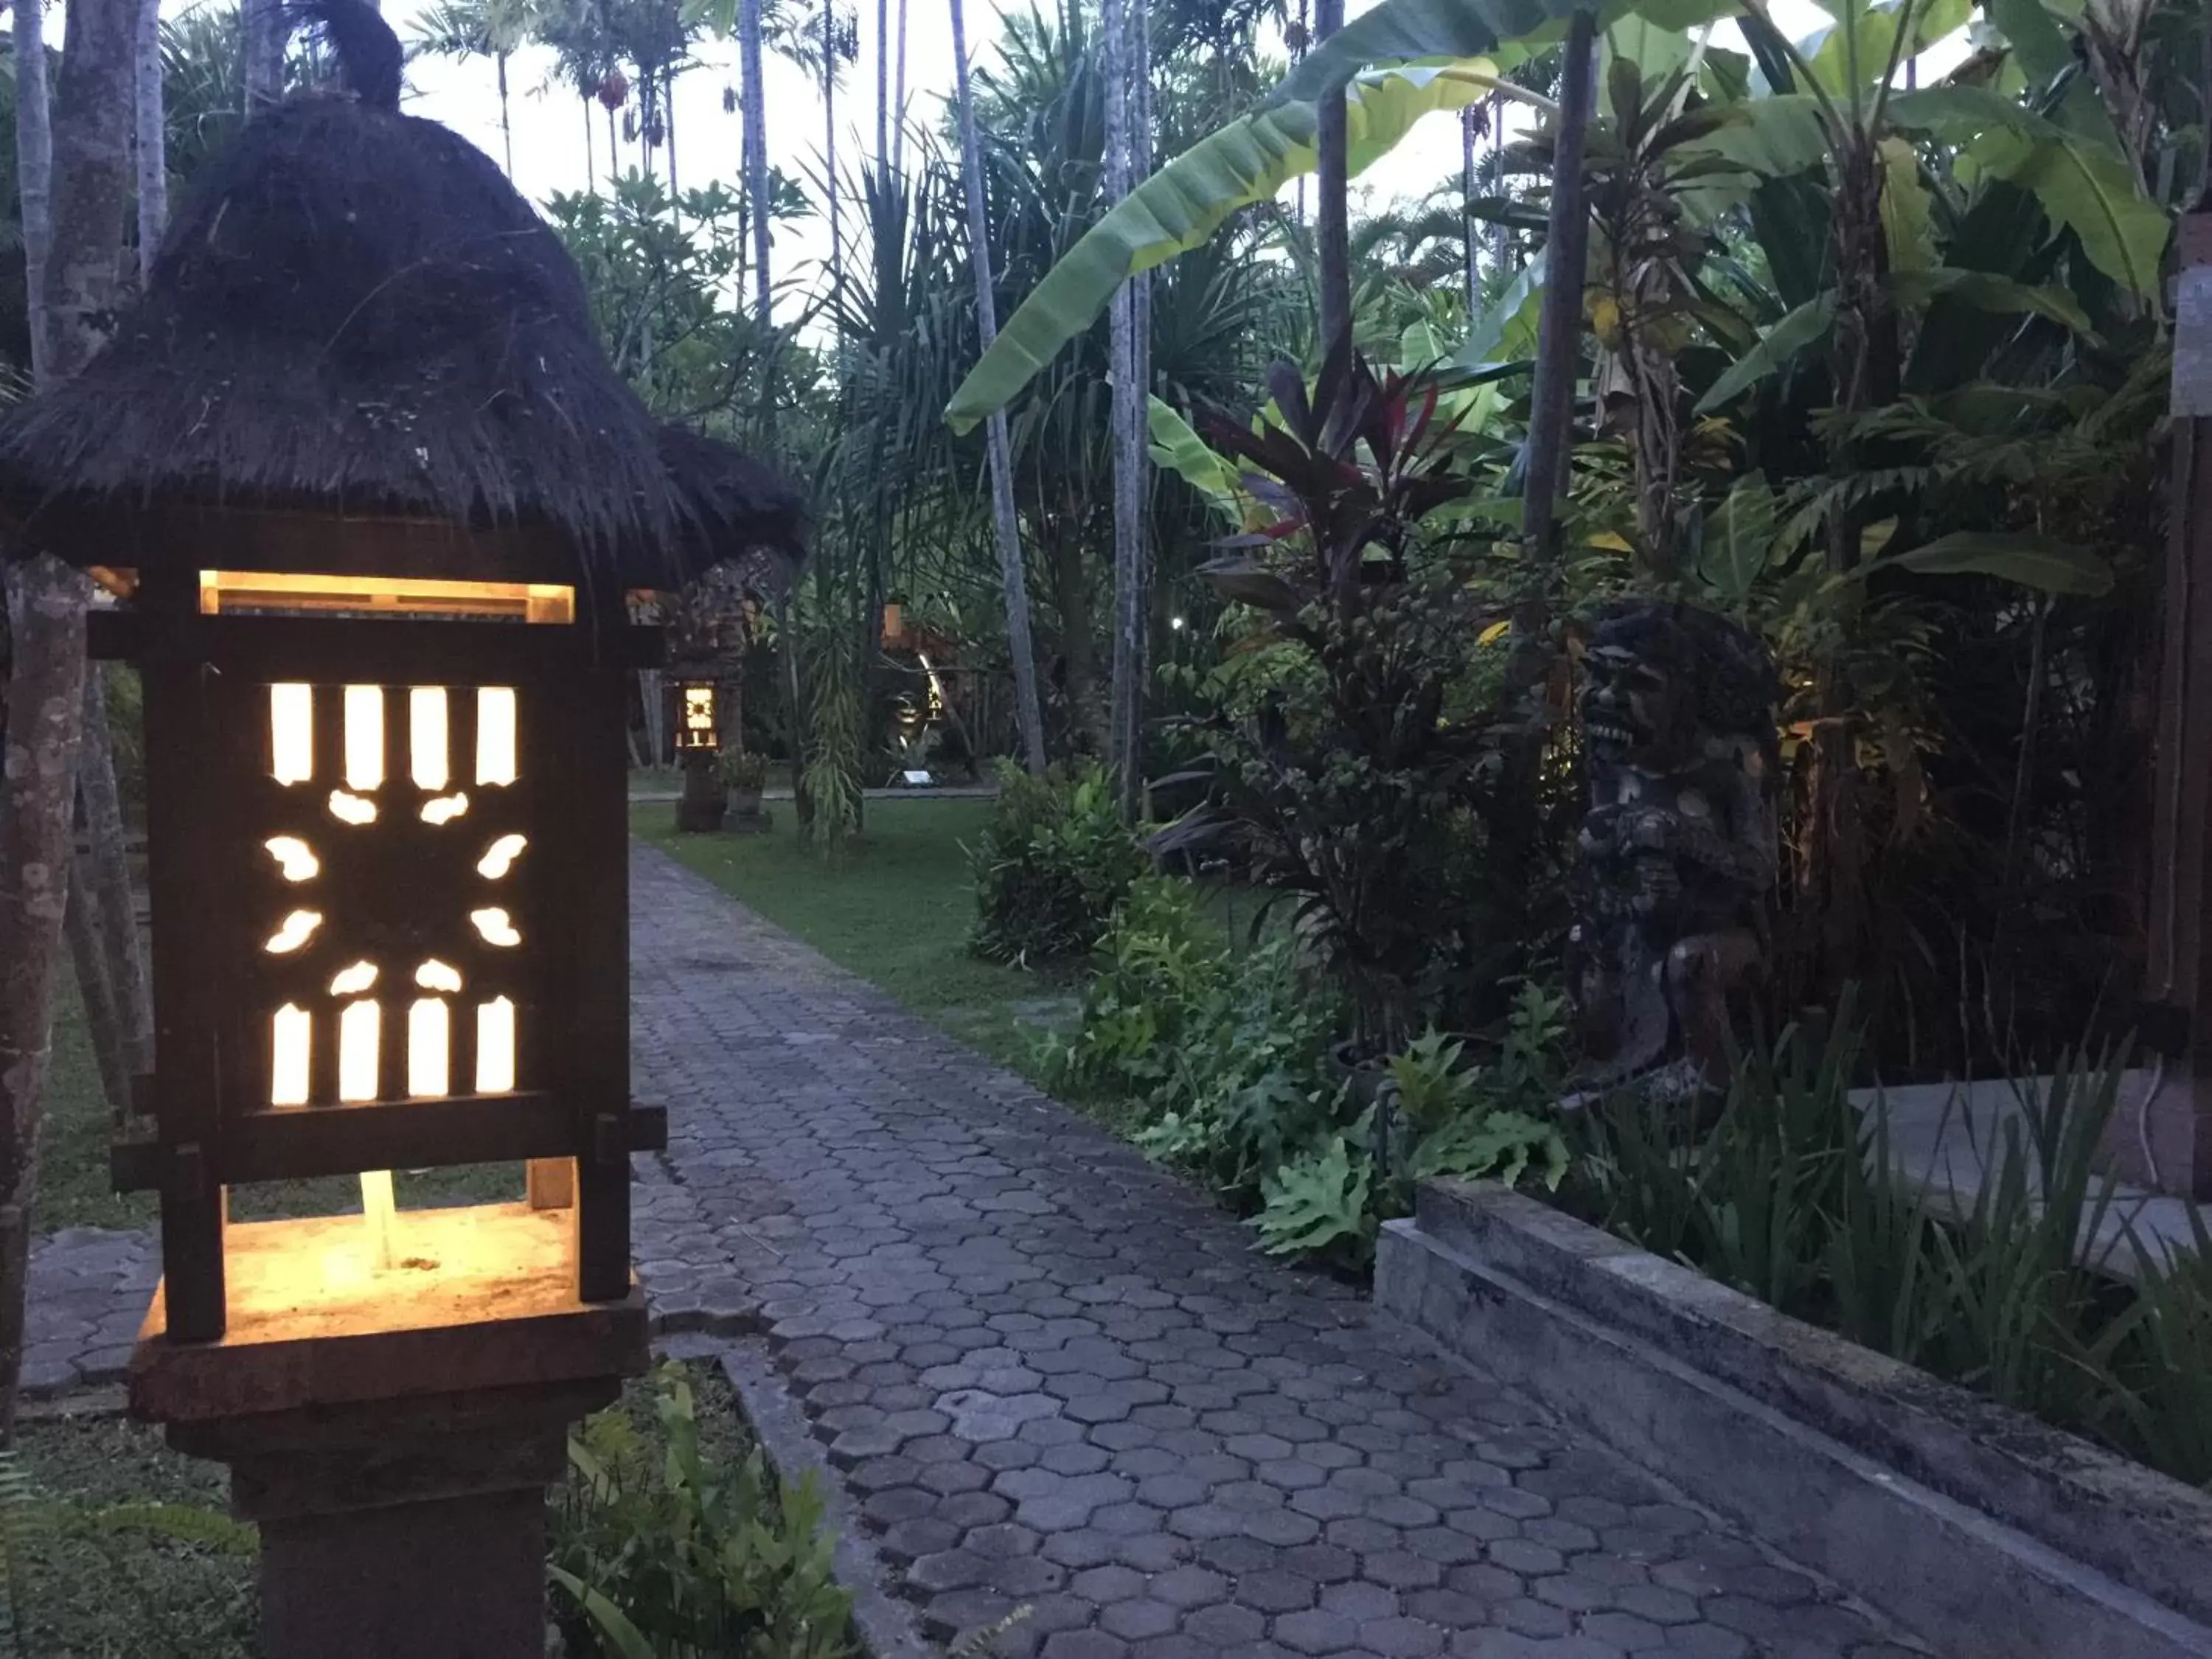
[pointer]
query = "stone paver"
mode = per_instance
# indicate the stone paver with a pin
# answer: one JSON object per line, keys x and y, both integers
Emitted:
{"x": 1056, "y": 1377}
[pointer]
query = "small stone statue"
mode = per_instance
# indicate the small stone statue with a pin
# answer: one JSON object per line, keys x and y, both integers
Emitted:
{"x": 1677, "y": 857}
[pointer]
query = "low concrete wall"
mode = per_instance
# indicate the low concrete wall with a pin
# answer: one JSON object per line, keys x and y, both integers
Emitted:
{"x": 1985, "y": 1533}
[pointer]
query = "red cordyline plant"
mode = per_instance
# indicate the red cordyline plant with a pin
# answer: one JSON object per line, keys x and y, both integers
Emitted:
{"x": 1351, "y": 783}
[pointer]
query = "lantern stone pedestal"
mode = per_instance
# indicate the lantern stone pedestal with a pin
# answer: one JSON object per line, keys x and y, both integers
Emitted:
{"x": 699, "y": 809}
{"x": 392, "y": 1410}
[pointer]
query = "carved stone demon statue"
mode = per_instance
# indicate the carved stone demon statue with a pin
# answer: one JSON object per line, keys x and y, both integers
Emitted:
{"x": 1677, "y": 857}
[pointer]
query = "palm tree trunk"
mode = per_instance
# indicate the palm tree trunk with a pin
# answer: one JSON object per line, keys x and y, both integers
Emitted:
{"x": 590, "y": 148}
{"x": 153, "y": 138}
{"x": 1124, "y": 23}
{"x": 1469, "y": 120}
{"x": 1559, "y": 322}
{"x": 1028, "y": 713}
{"x": 757, "y": 197}
{"x": 506, "y": 130}
{"x": 1501, "y": 232}
{"x": 614, "y": 154}
{"x": 45, "y": 614}
{"x": 668, "y": 120}
{"x": 883, "y": 82}
{"x": 72, "y": 311}
{"x": 898, "y": 97}
{"x": 830, "y": 146}
{"x": 35, "y": 150}
{"x": 1332, "y": 187}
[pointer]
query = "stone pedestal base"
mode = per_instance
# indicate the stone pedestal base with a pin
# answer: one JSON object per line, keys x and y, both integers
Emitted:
{"x": 392, "y": 1430}
{"x": 699, "y": 809}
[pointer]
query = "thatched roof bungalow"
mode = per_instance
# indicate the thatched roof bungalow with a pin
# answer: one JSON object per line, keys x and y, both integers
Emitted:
{"x": 354, "y": 312}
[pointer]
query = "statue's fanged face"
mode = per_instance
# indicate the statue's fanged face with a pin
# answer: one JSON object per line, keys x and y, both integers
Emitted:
{"x": 1632, "y": 708}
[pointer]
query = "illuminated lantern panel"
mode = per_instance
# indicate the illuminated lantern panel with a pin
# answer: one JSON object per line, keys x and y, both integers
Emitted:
{"x": 697, "y": 727}
{"x": 330, "y": 982}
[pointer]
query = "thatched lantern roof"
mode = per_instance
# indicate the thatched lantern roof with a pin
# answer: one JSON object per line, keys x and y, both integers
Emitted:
{"x": 354, "y": 312}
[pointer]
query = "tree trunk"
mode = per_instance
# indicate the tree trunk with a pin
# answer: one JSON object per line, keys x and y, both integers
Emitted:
{"x": 757, "y": 200}
{"x": 1332, "y": 187}
{"x": 1126, "y": 73}
{"x": 883, "y": 82}
{"x": 264, "y": 29}
{"x": 898, "y": 98}
{"x": 614, "y": 154}
{"x": 1468, "y": 120}
{"x": 591, "y": 151}
{"x": 829, "y": 152}
{"x": 1559, "y": 321}
{"x": 1501, "y": 232}
{"x": 506, "y": 130}
{"x": 1007, "y": 528}
{"x": 45, "y": 613}
{"x": 71, "y": 313}
{"x": 34, "y": 150}
{"x": 153, "y": 139}
{"x": 668, "y": 120}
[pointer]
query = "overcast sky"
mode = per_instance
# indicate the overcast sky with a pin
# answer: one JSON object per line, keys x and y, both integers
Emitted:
{"x": 549, "y": 123}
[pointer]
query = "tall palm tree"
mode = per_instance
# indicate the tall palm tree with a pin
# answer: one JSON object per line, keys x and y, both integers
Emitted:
{"x": 478, "y": 28}
{"x": 1027, "y": 711}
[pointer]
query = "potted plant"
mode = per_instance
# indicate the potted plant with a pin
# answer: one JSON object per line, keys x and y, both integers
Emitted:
{"x": 743, "y": 775}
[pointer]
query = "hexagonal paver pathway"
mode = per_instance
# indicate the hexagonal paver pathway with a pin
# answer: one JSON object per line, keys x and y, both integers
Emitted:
{"x": 1055, "y": 1377}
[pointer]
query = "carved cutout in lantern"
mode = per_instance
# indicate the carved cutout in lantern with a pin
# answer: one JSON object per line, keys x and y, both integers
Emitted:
{"x": 698, "y": 726}
{"x": 386, "y": 828}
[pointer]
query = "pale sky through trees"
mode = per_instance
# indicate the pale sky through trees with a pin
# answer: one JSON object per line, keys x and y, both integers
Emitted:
{"x": 548, "y": 118}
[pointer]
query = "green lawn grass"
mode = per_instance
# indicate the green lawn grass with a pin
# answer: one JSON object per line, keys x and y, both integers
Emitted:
{"x": 894, "y": 908}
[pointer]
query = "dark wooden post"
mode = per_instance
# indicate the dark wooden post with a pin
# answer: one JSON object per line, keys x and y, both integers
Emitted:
{"x": 2164, "y": 1139}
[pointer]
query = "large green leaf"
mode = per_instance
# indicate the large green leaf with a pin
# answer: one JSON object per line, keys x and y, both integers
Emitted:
{"x": 1430, "y": 31}
{"x": 1186, "y": 202}
{"x": 2036, "y": 42}
{"x": 1906, "y": 209}
{"x": 1791, "y": 335}
{"x": 1849, "y": 58}
{"x": 1176, "y": 446}
{"x": 1987, "y": 291}
{"x": 1506, "y": 332}
{"x": 2081, "y": 184}
{"x": 2033, "y": 561}
{"x": 1739, "y": 537}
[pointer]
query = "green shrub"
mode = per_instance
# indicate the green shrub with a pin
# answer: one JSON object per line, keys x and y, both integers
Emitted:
{"x": 663, "y": 1549}
{"x": 1053, "y": 862}
{"x": 1225, "y": 1057}
{"x": 1791, "y": 1196}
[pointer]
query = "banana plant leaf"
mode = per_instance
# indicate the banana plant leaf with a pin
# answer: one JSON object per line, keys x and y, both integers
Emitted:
{"x": 1187, "y": 201}
{"x": 2038, "y": 563}
{"x": 1429, "y": 31}
{"x": 1796, "y": 331}
{"x": 2081, "y": 183}
{"x": 1176, "y": 446}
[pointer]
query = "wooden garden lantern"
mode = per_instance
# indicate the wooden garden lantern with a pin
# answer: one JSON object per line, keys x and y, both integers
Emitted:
{"x": 374, "y": 505}
{"x": 387, "y": 829}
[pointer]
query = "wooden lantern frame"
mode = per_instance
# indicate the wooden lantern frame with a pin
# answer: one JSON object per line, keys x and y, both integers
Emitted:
{"x": 330, "y": 602}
